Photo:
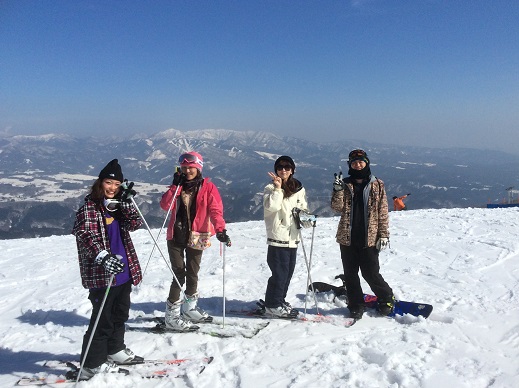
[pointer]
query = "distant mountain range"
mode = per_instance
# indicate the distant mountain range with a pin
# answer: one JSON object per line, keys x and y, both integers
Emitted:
{"x": 43, "y": 179}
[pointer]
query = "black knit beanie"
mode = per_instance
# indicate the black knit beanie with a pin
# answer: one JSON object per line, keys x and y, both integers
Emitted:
{"x": 112, "y": 171}
{"x": 287, "y": 159}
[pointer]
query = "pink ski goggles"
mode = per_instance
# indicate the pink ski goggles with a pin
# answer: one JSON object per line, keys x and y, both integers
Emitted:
{"x": 189, "y": 159}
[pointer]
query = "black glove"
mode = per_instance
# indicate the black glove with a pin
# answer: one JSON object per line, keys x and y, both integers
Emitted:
{"x": 127, "y": 192}
{"x": 338, "y": 183}
{"x": 223, "y": 238}
{"x": 112, "y": 263}
{"x": 408, "y": 194}
{"x": 178, "y": 178}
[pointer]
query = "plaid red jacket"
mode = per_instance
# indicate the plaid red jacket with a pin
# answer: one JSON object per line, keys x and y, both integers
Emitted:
{"x": 91, "y": 238}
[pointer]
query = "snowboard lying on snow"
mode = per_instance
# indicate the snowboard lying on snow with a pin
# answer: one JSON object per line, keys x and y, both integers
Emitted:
{"x": 401, "y": 307}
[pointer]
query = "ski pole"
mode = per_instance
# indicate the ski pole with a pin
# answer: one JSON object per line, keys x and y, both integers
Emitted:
{"x": 309, "y": 282}
{"x": 223, "y": 281}
{"x": 309, "y": 276}
{"x": 162, "y": 227}
{"x": 95, "y": 326}
{"x": 296, "y": 214}
{"x": 158, "y": 247}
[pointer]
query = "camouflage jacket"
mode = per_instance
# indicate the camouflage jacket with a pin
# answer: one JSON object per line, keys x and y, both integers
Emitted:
{"x": 376, "y": 212}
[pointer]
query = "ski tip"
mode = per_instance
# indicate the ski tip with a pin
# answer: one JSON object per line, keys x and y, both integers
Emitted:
{"x": 208, "y": 360}
{"x": 72, "y": 375}
{"x": 72, "y": 366}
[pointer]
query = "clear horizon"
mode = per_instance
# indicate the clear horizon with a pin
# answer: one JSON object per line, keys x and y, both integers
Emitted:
{"x": 416, "y": 73}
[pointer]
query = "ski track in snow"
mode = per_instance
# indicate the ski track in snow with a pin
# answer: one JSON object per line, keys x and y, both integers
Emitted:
{"x": 462, "y": 261}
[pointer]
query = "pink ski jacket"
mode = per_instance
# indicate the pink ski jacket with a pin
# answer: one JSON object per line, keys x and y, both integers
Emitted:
{"x": 209, "y": 209}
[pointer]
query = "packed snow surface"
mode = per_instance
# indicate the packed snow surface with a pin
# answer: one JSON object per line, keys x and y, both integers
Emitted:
{"x": 465, "y": 262}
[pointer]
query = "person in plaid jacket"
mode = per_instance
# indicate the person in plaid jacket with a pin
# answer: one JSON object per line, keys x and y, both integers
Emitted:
{"x": 106, "y": 252}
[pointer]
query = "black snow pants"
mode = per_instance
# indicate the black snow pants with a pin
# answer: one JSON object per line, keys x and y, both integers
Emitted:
{"x": 109, "y": 334}
{"x": 365, "y": 259}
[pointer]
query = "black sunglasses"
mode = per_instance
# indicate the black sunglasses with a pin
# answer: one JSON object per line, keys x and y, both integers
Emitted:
{"x": 285, "y": 167}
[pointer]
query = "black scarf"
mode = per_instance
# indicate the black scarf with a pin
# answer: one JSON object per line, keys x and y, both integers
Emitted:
{"x": 192, "y": 184}
{"x": 181, "y": 228}
{"x": 360, "y": 174}
{"x": 358, "y": 226}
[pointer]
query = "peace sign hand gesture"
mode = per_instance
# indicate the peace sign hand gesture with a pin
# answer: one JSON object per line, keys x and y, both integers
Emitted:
{"x": 275, "y": 180}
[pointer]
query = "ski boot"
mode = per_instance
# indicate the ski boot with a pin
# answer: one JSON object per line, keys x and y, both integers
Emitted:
{"x": 386, "y": 306}
{"x": 192, "y": 312}
{"x": 357, "y": 311}
{"x": 125, "y": 357}
{"x": 174, "y": 321}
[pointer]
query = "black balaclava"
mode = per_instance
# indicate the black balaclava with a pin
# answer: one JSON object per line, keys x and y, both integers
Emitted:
{"x": 359, "y": 174}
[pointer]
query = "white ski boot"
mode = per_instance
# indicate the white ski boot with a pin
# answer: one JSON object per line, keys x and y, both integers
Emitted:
{"x": 191, "y": 311}
{"x": 283, "y": 311}
{"x": 174, "y": 321}
{"x": 106, "y": 367}
{"x": 125, "y": 357}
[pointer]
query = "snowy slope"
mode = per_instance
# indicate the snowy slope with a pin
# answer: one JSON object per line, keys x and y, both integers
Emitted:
{"x": 463, "y": 261}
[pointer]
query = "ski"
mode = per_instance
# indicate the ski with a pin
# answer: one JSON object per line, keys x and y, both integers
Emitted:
{"x": 331, "y": 319}
{"x": 148, "y": 369}
{"x": 215, "y": 330}
{"x": 44, "y": 380}
{"x": 174, "y": 361}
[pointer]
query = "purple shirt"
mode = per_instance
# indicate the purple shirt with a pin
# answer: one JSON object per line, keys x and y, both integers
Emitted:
{"x": 117, "y": 247}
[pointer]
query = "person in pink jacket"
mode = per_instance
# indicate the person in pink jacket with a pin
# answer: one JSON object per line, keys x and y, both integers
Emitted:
{"x": 196, "y": 212}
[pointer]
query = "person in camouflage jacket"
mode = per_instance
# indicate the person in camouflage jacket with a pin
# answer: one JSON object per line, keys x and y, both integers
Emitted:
{"x": 377, "y": 214}
{"x": 363, "y": 231}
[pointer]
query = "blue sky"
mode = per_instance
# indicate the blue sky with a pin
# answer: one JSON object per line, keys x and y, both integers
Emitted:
{"x": 434, "y": 73}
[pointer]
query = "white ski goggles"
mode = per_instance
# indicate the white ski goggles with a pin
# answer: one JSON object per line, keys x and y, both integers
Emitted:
{"x": 111, "y": 204}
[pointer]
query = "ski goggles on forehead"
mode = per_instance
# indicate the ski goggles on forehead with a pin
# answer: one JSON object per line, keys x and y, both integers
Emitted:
{"x": 357, "y": 154}
{"x": 111, "y": 204}
{"x": 189, "y": 158}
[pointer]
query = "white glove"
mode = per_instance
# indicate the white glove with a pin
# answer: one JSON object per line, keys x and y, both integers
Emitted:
{"x": 303, "y": 218}
{"x": 112, "y": 263}
{"x": 338, "y": 183}
{"x": 382, "y": 243}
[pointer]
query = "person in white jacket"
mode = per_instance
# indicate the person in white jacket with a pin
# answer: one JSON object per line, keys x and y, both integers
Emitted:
{"x": 279, "y": 199}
